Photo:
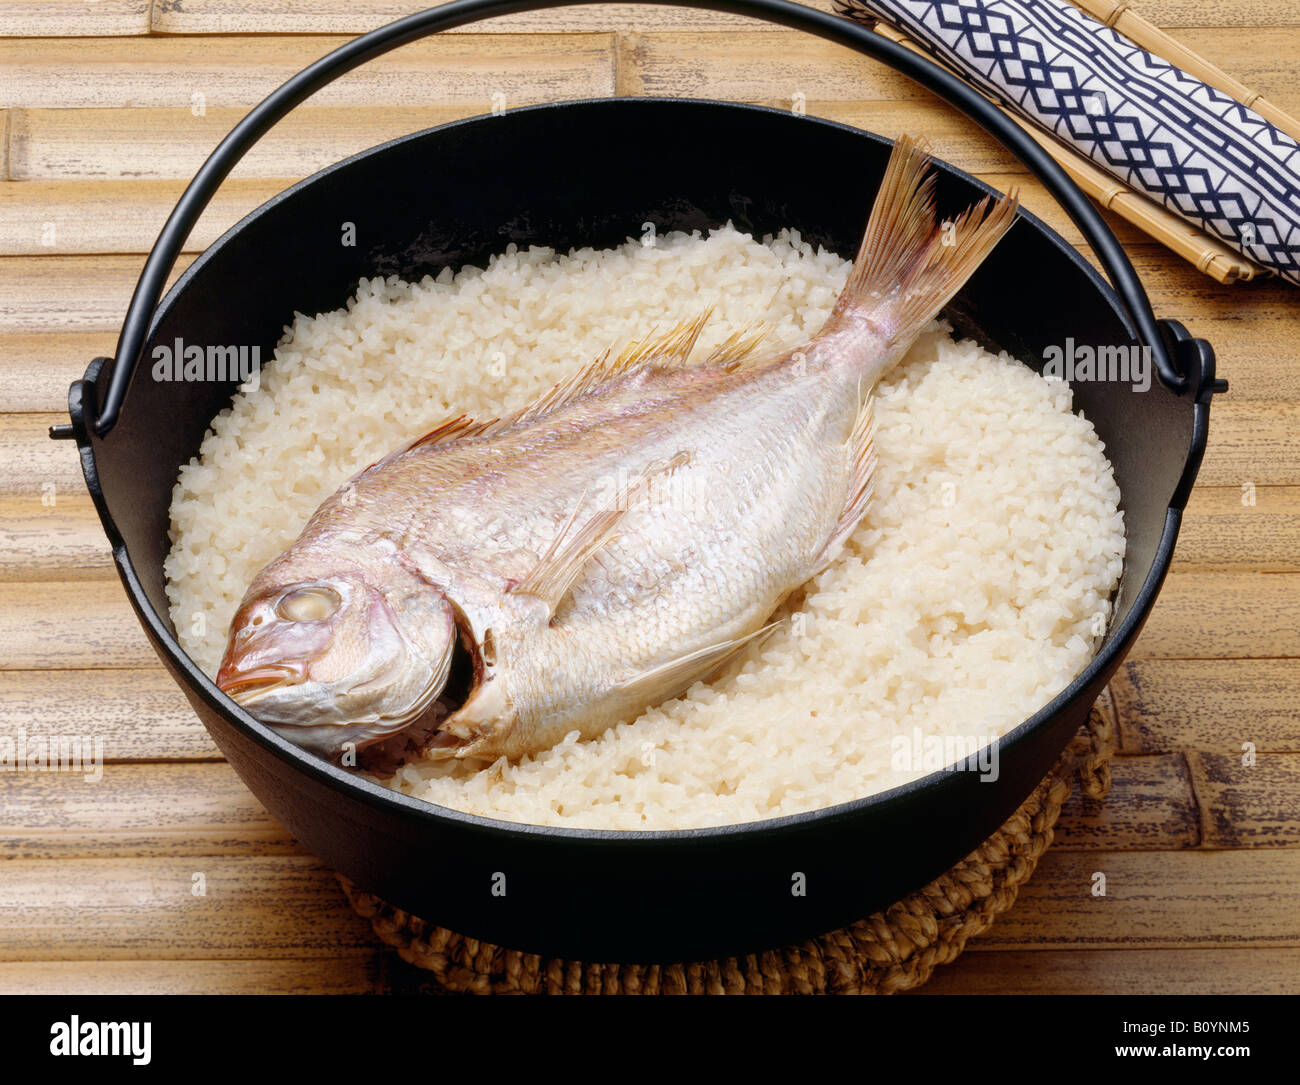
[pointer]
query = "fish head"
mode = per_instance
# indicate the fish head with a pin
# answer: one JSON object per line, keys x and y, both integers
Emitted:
{"x": 338, "y": 661}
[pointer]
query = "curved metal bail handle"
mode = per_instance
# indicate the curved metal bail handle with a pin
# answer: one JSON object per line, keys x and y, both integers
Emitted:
{"x": 266, "y": 114}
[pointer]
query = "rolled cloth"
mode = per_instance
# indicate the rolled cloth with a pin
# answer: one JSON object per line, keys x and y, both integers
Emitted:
{"x": 1202, "y": 154}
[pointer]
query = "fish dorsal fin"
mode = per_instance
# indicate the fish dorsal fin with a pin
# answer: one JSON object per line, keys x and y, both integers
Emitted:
{"x": 739, "y": 347}
{"x": 456, "y": 428}
{"x": 453, "y": 429}
{"x": 671, "y": 349}
{"x": 668, "y": 679}
{"x": 571, "y": 388}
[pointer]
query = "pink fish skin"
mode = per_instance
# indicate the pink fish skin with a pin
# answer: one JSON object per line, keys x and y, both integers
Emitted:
{"x": 493, "y": 586}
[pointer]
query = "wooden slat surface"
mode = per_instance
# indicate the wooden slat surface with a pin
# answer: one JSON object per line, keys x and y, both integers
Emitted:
{"x": 117, "y": 143}
{"x": 1152, "y": 807}
{"x": 347, "y": 16}
{"x": 785, "y": 63}
{"x": 1118, "y": 972}
{"x": 69, "y": 293}
{"x": 108, "y": 108}
{"x": 253, "y": 906}
{"x": 1223, "y": 616}
{"x": 113, "y": 216}
{"x": 58, "y": 73}
{"x": 139, "y": 712}
{"x": 348, "y": 975}
{"x": 1155, "y": 900}
{"x": 43, "y": 542}
{"x": 1208, "y": 704}
{"x": 116, "y": 816}
{"x": 1222, "y": 531}
{"x": 98, "y": 18}
{"x": 1247, "y": 803}
{"x": 37, "y": 367}
{"x": 356, "y": 16}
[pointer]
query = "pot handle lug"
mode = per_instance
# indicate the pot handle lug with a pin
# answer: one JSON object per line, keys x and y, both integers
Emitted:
{"x": 1195, "y": 360}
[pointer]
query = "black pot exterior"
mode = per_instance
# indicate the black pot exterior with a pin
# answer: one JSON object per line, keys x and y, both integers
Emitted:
{"x": 592, "y": 173}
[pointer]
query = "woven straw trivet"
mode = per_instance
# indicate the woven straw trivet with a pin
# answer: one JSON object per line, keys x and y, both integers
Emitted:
{"x": 892, "y": 950}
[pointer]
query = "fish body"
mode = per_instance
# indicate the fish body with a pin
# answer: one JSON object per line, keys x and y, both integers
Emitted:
{"x": 600, "y": 550}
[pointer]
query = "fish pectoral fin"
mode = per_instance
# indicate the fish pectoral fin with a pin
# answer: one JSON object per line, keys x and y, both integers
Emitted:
{"x": 566, "y": 557}
{"x": 667, "y": 680}
{"x": 862, "y": 478}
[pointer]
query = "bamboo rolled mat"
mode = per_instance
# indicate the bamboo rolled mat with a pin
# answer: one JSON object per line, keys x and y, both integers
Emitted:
{"x": 107, "y": 108}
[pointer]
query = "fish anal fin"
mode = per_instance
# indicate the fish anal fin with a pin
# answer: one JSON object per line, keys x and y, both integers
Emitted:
{"x": 861, "y": 452}
{"x": 672, "y": 677}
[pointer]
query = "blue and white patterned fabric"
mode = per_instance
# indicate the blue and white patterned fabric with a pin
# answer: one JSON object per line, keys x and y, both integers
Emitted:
{"x": 1192, "y": 148}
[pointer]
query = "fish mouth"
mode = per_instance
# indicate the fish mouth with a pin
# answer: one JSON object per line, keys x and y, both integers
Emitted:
{"x": 245, "y": 686}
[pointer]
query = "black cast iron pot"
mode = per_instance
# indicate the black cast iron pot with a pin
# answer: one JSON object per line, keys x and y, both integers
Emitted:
{"x": 590, "y": 173}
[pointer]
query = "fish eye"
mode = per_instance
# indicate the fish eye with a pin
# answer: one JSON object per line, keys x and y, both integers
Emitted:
{"x": 308, "y": 604}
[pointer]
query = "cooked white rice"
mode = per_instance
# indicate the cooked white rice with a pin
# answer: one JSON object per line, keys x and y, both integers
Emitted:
{"x": 971, "y": 595}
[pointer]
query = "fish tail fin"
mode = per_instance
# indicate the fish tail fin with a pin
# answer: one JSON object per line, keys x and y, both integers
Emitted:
{"x": 909, "y": 267}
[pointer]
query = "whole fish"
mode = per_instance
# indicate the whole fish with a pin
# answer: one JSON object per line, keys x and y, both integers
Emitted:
{"x": 495, "y": 585}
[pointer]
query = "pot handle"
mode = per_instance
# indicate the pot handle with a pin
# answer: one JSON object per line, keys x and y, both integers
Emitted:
{"x": 1180, "y": 364}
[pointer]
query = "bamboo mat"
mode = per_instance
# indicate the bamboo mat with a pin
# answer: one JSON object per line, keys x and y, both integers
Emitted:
{"x": 105, "y": 111}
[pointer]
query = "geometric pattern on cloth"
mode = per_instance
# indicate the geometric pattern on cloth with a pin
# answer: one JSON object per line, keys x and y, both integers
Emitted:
{"x": 1199, "y": 152}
